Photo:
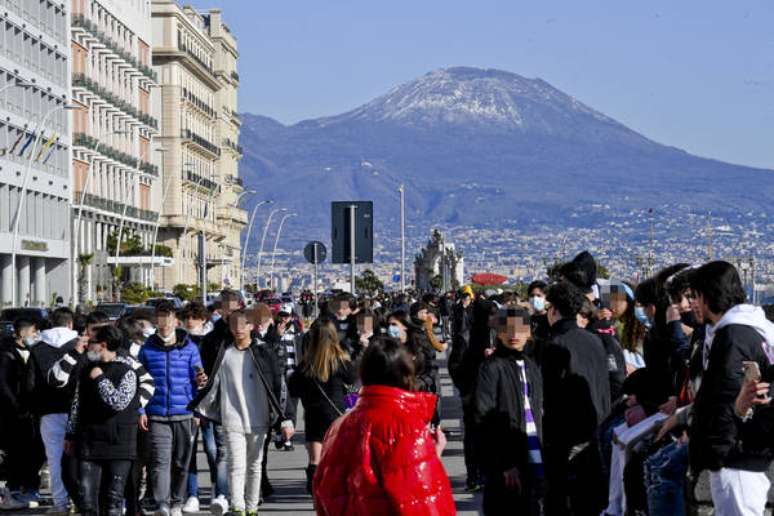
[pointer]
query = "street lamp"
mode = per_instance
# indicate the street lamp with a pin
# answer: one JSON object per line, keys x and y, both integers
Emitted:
{"x": 77, "y": 229}
{"x": 199, "y": 184}
{"x": 158, "y": 218}
{"x": 247, "y": 240}
{"x": 239, "y": 197}
{"x": 402, "y": 191}
{"x": 276, "y": 241}
{"x": 38, "y": 132}
{"x": 263, "y": 239}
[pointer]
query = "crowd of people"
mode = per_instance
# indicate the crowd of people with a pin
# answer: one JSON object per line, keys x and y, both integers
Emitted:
{"x": 584, "y": 396}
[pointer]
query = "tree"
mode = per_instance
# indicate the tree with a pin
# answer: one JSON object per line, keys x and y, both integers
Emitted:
{"x": 368, "y": 282}
{"x": 186, "y": 292}
{"x": 134, "y": 293}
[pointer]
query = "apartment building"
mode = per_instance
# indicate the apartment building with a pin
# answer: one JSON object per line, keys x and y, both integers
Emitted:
{"x": 35, "y": 179}
{"x": 115, "y": 159}
{"x": 195, "y": 55}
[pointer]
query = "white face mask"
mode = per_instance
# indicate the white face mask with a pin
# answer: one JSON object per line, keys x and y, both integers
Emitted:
{"x": 169, "y": 338}
{"x": 30, "y": 340}
{"x": 148, "y": 331}
{"x": 93, "y": 356}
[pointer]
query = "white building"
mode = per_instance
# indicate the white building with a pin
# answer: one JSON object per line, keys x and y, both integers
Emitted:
{"x": 116, "y": 174}
{"x": 35, "y": 179}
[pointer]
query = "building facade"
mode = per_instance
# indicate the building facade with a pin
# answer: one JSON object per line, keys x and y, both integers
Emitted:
{"x": 35, "y": 179}
{"x": 116, "y": 174}
{"x": 195, "y": 56}
{"x": 439, "y": 266}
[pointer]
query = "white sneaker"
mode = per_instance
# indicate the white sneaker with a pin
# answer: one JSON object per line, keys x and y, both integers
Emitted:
{"x": 191, "y": 505}
{"x": 177, "y": 511}
{"x": 219, "y": 506}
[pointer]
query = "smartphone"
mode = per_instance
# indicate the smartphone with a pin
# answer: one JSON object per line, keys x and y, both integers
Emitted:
{"x": 752, "y": 372}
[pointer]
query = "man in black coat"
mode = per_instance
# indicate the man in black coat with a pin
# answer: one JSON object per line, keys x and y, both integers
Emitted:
{"x": 577, "y": 399}
{"x": 508, "y": 405}
{"x": 20, "y": 435}
{"x": 736, "y": 458}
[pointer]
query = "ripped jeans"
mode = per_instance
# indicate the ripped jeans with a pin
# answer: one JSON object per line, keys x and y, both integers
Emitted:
{"x": 665, "y": 474}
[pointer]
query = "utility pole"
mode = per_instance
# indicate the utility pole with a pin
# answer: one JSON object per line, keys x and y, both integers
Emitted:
{"x": 651, "y": 243}
{"x": 402, "y": 191}
{"x": 352, "y": 209}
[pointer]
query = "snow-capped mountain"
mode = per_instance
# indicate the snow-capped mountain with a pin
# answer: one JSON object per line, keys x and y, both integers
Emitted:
{"x": 480, "y": 146}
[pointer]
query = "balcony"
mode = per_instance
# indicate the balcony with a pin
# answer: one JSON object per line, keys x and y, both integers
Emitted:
{"x": 202, "y": 181}
{"x": 200, "y": 141}
{"x": 235, "y": 76}
{"x": 189, "y": 51}
{"x": 199, "y": 103}
{"x": 232, "y": 145}
{"x": 100, "y": 203}
{"x": 81, "y": 81}
{"x": 84, "y": 23}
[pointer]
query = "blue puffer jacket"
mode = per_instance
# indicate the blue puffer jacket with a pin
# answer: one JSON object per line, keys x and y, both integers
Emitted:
{"x": 174, "y": 373}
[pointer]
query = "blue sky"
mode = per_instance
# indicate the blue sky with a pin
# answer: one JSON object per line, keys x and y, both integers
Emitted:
{"x": 694, "y": 74}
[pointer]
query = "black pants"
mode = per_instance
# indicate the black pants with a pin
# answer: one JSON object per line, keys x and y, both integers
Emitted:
{"x": 25, "y": 454}
{"x": 575, "y": 481}
{"x": 469, "y": 444}
{"x": 501, "y": 501}
{"x": 102, "y": 486}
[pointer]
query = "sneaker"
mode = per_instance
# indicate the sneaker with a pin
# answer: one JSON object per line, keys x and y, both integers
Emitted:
{"x": 266, "y": 488}
{"x": 191, "y": 505}
{"x": 471, "y": 486}
{"x": 237, "y": 512}
{"x": 163, "y": 510}
{"x": 57, "y": 511}
{"x": 278, "y": 443}
{"x": 289, "y": 446}
{"x": 219, "y": 506}
{"x": 252, "y": 513}
{"x": 31, "y": 498}
{"x": 177, "y": 511}
{"x": 9, "y": 502}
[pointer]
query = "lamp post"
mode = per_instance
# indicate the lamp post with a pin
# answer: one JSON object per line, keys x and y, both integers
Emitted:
{"x": 158, "y": 218}
{"x": 276, "y": 241}
{"x": 77, "y": 229}
{"x": 402, "y": 190}
{"x": 239, "y": 197}
{"x": 247, "y": 241}
{"x": 37, "y": 137}
{"x": 199, "y": 184}
{"x": 263, "y": 239}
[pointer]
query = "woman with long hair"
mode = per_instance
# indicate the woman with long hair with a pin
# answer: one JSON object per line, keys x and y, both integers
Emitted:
{"x": 381, "y": 458}
{"x": 320, "y": 382}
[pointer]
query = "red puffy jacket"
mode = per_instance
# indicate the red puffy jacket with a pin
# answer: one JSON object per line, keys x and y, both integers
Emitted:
{"x": 380, "y": 459}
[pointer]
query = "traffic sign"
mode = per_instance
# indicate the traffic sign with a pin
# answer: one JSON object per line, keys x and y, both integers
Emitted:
{"x": 311, "y": 256}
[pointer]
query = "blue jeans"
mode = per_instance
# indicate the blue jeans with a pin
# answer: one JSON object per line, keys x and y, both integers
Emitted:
{"x": 665, "y": 473}
{"x": 215, "y": 448}
{"x": 193, "y": 469}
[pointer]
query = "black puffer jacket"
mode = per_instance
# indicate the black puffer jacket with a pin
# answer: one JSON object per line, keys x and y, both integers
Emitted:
{"x": 45, "y": 398}
{"x": 499, "y": 409}
{"x": 718, "y": 437}
{"x": 13, "y": 374}
{"x": 575, "y": 384}
{"x": 616, "y": 365}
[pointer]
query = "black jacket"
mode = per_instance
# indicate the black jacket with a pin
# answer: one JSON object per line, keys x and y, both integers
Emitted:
{"x": 45, "y": 398}
{"x": 210, "y": 345}
{"x": 316, "y": 407}
{"x": 462, "y": 321}
{"x": 499, "y": 409}
{"x": 206, "y": 403}
{"x": 104, "y": 420}
{"x": 576, "y": 385}
{"x": 349, "y": 340}
{"x": 13, "y": 375}
{"x": 426, "y": 368}
{"x": 464, "y": 362}
{"x": 718, "y": 438}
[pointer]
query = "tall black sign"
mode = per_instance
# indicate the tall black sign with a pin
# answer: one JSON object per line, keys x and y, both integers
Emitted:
{"x": 340, "y": 231}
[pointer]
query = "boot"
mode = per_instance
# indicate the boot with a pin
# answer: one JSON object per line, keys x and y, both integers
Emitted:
{"x": 310, "y": 469}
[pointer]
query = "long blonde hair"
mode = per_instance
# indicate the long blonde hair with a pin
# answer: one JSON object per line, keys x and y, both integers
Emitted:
{"x": 325, "y": 355}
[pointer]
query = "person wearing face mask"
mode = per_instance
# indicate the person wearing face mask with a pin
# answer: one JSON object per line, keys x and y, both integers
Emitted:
{"x": 508, "y": 406}
{"x": 212, "y": 433}
{"x": 102, "y": 428}
{"x": 243, "y": 396}
{"x": 346, "y": 325}
{"x": 541, "y": 330}
{"x": 576, "y": 400}
{"x": 176, "y": 367}
{"x": 19, "y": 437}
{"x": 51, "y": 403}
{"x": 320, "y": 382}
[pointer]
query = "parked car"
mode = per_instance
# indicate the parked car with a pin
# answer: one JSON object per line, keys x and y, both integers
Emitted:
{"x": 34, "y": 314}
{"x": 153, "y": 301}
{"x": 114, "y": 311}
{"x": 6, "y": 329}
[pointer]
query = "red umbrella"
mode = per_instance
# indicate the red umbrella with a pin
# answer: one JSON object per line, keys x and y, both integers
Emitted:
{"x": 487, "y": 279}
